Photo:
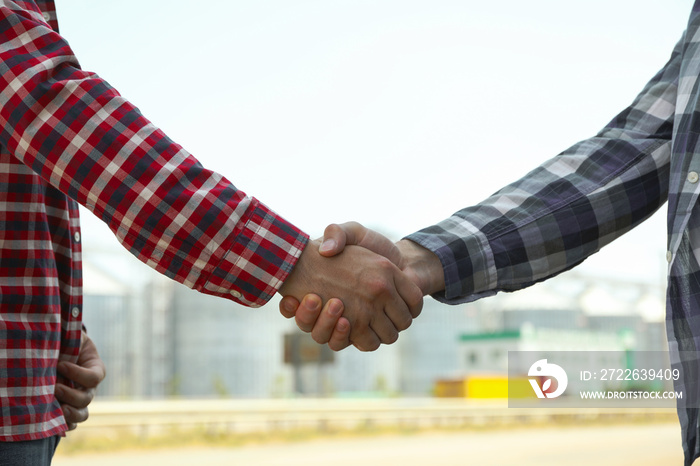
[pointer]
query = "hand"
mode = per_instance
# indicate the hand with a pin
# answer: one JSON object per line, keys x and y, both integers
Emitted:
{"x": 379, "y": 300}
{"x": 86, "y": 375}
{"x": 421, "y": 265}
{"x": 325, "y": 324}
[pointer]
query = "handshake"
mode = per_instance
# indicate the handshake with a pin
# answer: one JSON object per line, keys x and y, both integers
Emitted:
{"x": 355, "y": 286}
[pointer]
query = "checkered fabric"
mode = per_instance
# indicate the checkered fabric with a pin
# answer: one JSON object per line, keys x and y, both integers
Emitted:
{"x": 68, "y": 137}
{"x": 572, "y": 205}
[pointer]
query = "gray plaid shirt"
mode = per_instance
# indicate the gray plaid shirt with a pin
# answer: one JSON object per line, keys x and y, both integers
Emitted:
{"x": 572, "y": 205}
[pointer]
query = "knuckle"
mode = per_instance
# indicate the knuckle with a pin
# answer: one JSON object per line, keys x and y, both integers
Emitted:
{"x": 392, "y": 338}
{"x": 374, "y": 346}
{"x": 384, "y": 264}
{"x": 378, "y": 286}
{"x": 305, "y": 328}
{"x": 403, "y": 322}
{"x": 415, "y": 313}
{"x": 350, "y": 226}
{"x": 368, "y": 347}
{"x": 337, "y": 346}
{"x": 92, "y": 380}
{"x": 81, "y": 401}
{"x": 416, "y": 308}
{"x": 319, "y": 338}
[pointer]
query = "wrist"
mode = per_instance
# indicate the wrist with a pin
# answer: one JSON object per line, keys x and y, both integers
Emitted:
{"x": 300, "y": 273}
{"x": 422, "y": 266}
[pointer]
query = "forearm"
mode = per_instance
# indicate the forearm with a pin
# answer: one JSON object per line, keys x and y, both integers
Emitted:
{"x": 76, "y": 132}
{"x": 566, "y": 209}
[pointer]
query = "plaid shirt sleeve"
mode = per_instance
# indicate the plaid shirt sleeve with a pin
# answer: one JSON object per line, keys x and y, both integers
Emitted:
{"x": 566, "y": 209}
{"x": 79, "y": 134}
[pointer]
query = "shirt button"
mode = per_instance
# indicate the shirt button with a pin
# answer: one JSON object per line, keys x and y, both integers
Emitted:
{"x": 75, "y": 312}
{"x": 46, "y": 16}
{"x": 693, "y": 177}
{"x": 76, "y": 236}
{"x": 669, "y": 256}
{"x": 236, "y": 294}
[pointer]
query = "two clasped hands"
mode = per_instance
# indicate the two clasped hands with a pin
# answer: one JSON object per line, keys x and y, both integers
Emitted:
{"x": 355, "y": 286}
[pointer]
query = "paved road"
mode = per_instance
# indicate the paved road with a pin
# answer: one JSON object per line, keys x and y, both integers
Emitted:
{"x": 633, "y": 445}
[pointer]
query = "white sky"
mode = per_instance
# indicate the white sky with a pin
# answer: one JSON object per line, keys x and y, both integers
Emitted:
{"x": 395, "y": 113}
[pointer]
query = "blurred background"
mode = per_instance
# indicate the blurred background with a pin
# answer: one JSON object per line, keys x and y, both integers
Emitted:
{"x": 395, "y": 114}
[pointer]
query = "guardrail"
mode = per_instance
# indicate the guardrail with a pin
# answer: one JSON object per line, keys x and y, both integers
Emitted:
{"x": 147, "y": 418}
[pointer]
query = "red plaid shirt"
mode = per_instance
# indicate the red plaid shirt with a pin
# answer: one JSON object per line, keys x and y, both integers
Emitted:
{"x": 68, "y": 137}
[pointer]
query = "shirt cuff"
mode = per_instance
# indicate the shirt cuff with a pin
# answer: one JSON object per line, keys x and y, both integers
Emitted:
{"x": 466, "y": 257}
{"x": 262, "y": 256}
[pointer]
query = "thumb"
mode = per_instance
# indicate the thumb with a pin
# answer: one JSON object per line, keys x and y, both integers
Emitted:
{"x": 336, "y": 237}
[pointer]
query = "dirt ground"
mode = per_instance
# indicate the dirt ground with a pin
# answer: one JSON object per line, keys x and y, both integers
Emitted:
{"x": 618, "y": 445}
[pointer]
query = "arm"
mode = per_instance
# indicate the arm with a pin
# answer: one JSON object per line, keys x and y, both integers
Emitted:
{"x": 81, "y": 136}
{"x": 565, "y": 210}
{"x": 189, "y": 223}
{"x": 551, "y": 219}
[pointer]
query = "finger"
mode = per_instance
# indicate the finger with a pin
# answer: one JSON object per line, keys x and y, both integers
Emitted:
{"x": 395, "y": 317}
{"x": 385, "y": 302}
{"x": 384, "y": 328}
{"x": 327, "y": 320}
{"x": 74, "y": 397}
{"x": 379, "y": 244}
{"x": 412, "y": 296}
{"x": 74, "y": 416}
{"x": 367, "y": 342}
{"x": 288, "y": 306}
{"x": 89, "y": 375}
{"x": 363, "y": 337}
{"x": 340, "y": 339}
{"x": 89, "y": 358}
{"x": 308, "y": 312}
{"x": 405, "y": 305}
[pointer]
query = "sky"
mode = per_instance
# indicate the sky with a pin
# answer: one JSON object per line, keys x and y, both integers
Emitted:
{"x": 394, "y": 113}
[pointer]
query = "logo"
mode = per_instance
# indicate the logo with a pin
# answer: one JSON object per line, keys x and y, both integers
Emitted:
{"x": 546, "y": 372}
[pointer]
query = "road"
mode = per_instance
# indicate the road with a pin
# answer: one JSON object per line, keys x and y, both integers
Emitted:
{"x": 618, "y": 445}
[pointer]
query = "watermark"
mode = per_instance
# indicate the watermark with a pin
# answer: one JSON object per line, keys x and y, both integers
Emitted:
{"x": 542, "y": 370}
{"x": 645, "y": 379}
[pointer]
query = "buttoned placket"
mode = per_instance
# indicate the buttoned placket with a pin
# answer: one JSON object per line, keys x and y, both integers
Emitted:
{"x": 75, "y": 309}
{"x": 691, "y": 178}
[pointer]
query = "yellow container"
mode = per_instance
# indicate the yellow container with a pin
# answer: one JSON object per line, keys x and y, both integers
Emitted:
{"x": 487, "y": 387}
{"x": 484, "y": 387}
